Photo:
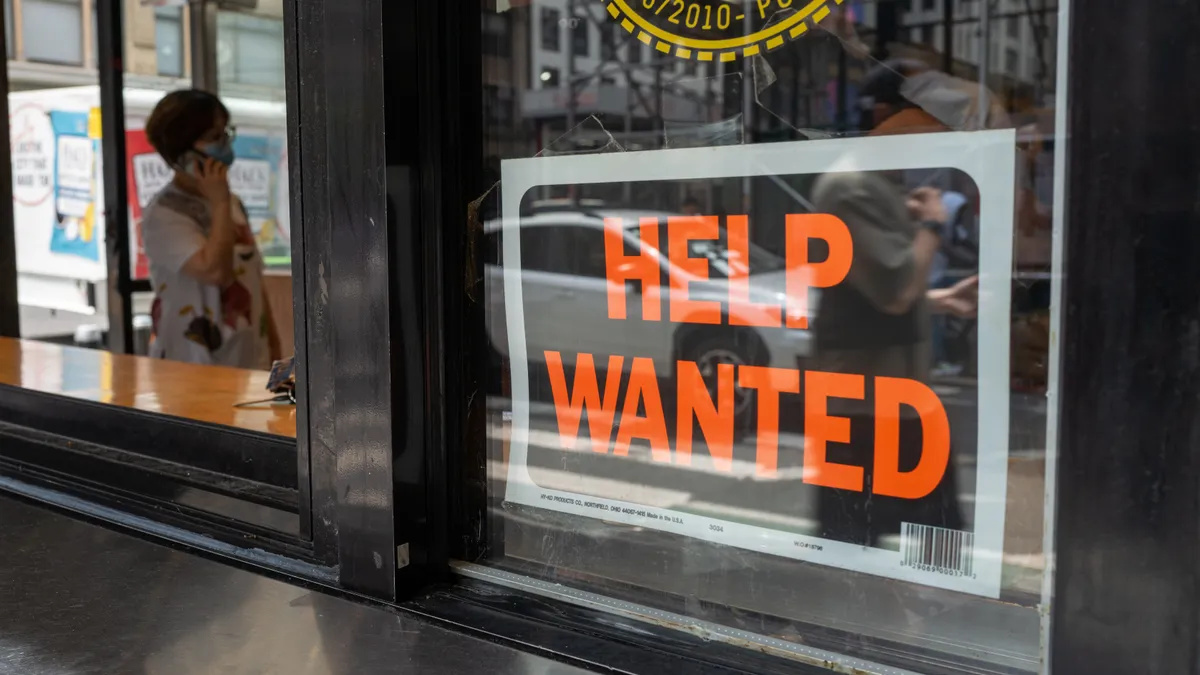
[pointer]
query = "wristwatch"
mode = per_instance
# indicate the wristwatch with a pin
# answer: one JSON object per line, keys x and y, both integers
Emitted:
{"x": 934, "y": 227}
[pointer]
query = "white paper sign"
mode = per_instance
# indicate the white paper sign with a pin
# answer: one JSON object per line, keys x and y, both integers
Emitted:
{"x": 593, "y": 358}
{"x": 250, "y": 179}
{"x": 75, "y": 161}
{"x": 32, "y": 139}
{"x": 151, "y": 174}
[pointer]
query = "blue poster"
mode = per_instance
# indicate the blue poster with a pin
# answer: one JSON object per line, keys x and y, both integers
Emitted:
{"x": 74, "y": 231}
{"x": 253, "y": 178}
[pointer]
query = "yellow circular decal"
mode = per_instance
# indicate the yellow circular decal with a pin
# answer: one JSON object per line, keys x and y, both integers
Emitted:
{"x": 716, "y": 30}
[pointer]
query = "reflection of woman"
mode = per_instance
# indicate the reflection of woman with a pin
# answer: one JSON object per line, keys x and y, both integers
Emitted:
{"x": 206, "y": 268}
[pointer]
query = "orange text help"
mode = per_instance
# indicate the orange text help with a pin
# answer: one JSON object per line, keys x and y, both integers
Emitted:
{"x": 644, "y": 267}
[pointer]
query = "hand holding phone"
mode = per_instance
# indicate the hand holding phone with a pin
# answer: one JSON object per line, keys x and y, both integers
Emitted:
{"x": 212, "y": 176}
{"x": 925, "y": 205}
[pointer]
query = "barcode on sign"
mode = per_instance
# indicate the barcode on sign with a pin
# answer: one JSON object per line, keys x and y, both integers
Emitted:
{"x": 937, "y": 549}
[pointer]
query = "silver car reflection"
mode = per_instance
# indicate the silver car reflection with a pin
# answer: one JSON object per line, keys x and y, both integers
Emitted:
{"x": 565, "y": 291}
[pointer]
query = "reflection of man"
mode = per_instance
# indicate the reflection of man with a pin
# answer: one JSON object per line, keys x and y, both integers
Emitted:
{"x": 877, "y": 323}
{"x": 690, "y": 206}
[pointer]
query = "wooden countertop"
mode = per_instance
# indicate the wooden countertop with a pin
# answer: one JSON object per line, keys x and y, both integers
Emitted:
{"x": 202, "y": 393}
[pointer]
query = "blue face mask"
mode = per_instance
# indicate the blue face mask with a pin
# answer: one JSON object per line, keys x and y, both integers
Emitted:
{"x": 222, "y": 151}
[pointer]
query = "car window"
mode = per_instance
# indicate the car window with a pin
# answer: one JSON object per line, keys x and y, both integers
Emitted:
{"x": 722, "y": 262}
{"x": 577, "y": 250}
{"x": 537, "y": 249}
{"x": 584, "y": 247}
{"x": 564, "y": 249}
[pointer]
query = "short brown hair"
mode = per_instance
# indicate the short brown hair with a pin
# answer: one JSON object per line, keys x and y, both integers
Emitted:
{"x": 180, "y": 119}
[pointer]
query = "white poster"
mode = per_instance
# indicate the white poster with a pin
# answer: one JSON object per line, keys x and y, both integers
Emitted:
{"x": 250, "y": 180}
{"x": 75, "y": 175}
{"x": 55, "y": 179}
{"x": 725, "y": 376}
{"x": 32, "y": 139}
{"x": 151, "y": 174}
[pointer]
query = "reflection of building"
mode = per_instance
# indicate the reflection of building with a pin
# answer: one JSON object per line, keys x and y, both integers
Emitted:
{"x": 1017, "y": 49}
{"x": 505, "y": 76}
{"x": 814, "y": 81}
{"x": 53, "y": 43}
{"x": 1015, "y": 29}
{"x": 635, "y": 91}
{"x": 580, "y": 63}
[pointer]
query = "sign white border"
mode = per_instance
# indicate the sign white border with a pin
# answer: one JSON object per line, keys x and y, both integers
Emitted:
{"x": 988, "y": 157}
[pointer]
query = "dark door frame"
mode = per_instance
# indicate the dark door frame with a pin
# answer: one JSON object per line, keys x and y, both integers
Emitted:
{"x": 1127, "y": 553}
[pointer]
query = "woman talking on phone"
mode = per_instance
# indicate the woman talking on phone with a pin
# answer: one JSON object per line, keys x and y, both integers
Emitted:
{"x": 206, "y": 269}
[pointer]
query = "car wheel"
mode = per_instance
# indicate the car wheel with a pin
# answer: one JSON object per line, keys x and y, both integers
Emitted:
{"x": 735, "y": 349}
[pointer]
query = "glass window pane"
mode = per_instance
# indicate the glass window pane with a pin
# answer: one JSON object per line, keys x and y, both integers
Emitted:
{"x": 580, "y": 32}
{"x": 168, "y": 40}
{"x": 193, "y": 318}
{"x": 857, "y": 466}
{"x": 497, "y": 36}
{"x": 53, "y": 31}
{"x": 608, "y": 41}
{"x": 8, "y": 27}
{"x": 551, "y": 29}
{"x": 250, "y": 50}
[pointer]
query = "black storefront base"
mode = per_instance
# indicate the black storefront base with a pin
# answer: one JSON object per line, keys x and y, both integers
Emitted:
{"x": 136, "y": 606}
{"x": 487, "y": 618}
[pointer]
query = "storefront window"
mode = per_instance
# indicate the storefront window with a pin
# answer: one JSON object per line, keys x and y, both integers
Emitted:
{"x": 250, "y": 50}
{"x": 208, "y": 321}
{"x": 168, "y": 40}
{"x": 53, "y": 31}
{"x": 10, "y": 48}
{"x": 768, "y": 327}
{"x": 497, "y": 36}
{"x": 551, "y": 29}
{"x": 580, "y": 34}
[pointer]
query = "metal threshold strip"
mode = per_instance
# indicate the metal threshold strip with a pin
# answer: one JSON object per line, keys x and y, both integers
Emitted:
{"x": 703, "y": 629}
{"x": 259, "y": 558}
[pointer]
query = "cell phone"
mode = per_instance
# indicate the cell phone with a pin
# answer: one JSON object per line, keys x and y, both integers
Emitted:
{"x": 190, "y": 163}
